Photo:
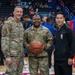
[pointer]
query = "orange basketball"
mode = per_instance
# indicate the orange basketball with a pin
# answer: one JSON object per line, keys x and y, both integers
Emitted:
{"x": 36, "y": 47}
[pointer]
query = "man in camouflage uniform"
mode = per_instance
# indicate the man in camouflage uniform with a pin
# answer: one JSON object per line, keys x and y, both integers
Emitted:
{"x": 42, "y": 34}
{"x": 12, "y": 43}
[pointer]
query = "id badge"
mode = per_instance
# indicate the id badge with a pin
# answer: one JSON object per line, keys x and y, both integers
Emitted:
{"x": 61, "y": 36}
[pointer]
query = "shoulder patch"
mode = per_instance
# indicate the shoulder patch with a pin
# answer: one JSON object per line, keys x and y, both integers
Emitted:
{"x": 4, "y": 30}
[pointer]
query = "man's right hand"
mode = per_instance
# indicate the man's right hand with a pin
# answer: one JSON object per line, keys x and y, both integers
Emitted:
{"x": 8, "y": 60}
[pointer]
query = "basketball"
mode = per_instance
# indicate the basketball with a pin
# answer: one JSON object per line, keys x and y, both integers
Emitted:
{"x": 36, "y": 47}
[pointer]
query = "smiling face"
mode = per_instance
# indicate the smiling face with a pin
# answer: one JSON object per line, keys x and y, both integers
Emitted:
{"x": 18, "y": 12}
{"x": 36, "y": 20}
{"x": 60, "y": 20}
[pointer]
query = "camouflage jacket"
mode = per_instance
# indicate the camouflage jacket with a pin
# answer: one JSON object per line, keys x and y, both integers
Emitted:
{"x": 12, "y": 38}
{"x": 41, "y": 34}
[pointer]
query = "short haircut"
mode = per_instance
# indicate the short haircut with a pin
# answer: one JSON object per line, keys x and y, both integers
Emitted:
{"x": 36, "y": 15}
{"x": 60, "y": 12}
{"x": 18, "y": 7}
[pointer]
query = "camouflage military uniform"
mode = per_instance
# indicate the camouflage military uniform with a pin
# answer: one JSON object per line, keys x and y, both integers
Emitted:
{"x": 12, "y": 46}
{"x": 40, "y": 60}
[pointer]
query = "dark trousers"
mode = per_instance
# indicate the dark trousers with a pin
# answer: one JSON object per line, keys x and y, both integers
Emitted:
{"x": 62, "y": 68}
{"x": 49, "y": 55}
{"x": 1, "y": 61}
{"x": 1, "y": 58}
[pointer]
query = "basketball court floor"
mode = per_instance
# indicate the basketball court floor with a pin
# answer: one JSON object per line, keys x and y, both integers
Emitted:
{"x": 26, "y": 69}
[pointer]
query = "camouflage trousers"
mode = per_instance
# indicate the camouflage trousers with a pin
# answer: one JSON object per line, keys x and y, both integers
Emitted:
{"x": 38, "y": 63}
{"x": 16, "y": 67}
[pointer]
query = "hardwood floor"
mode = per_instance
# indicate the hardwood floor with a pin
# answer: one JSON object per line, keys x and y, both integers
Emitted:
{"x": 3, "y": 68}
